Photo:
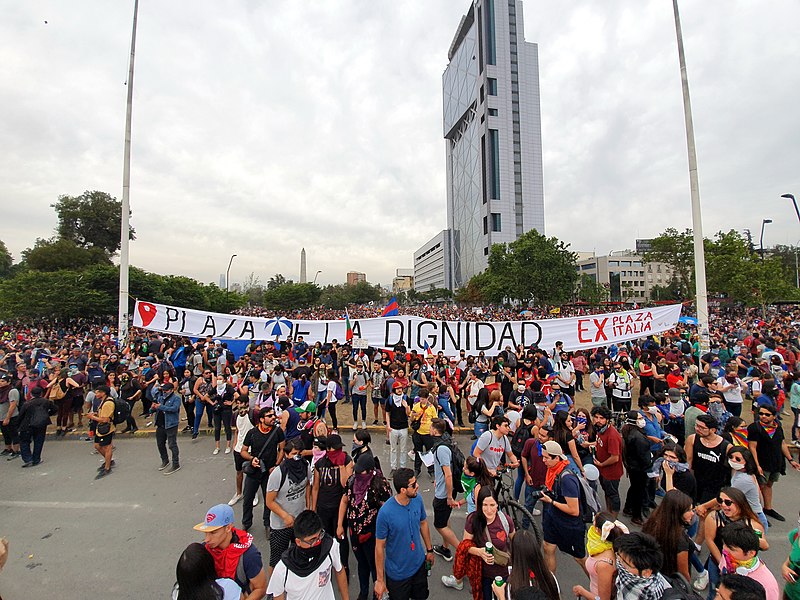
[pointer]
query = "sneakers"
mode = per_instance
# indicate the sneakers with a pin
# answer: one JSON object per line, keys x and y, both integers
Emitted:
{"x": 233, "y": 501}
{"x": 255, "y": 501}
{"x": 375, "y": 422}
{"x": 451, "y": 582}
{"x": 194, "y": 436}
{"x": 13, "y": 455}
{"x": 796, "y": 443}
{"x": 363, "y": 424}
{"x": 215, "y": 452}
{"x": 164, "y": 465}
{"x": 172, "y": 469}
{"x": 5, "y": 452}
{"x": 443, "y": 552}
{"x": 701, "y": 582}
{"x": 102, "y": 473}
{"x": 228, "y": 450}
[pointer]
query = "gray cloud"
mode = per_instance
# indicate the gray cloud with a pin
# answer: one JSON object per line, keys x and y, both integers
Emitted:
{"x": 263, "y": 127}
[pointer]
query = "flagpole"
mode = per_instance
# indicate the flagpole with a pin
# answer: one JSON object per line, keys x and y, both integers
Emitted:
{"x": 124, "y": 238}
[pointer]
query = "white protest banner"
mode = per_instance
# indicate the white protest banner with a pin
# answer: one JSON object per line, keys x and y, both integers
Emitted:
{"x": 491, "y": 337}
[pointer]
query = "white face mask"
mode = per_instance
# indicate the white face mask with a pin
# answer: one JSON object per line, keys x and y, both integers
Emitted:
{"x": 640, "y": 423}
{"x": 736, "y": 466}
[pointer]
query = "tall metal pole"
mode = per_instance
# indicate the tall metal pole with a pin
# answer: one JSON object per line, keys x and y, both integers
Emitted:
{"x": 697, "y": 217}
{"x": 124, "y": 239}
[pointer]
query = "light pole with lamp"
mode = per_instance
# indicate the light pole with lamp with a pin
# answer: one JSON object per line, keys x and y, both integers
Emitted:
{"x": 315, "y": 277}
{"x": 791, "y": 197}
{"x": 228, "y": 274}
{"x": 763, "y": 222}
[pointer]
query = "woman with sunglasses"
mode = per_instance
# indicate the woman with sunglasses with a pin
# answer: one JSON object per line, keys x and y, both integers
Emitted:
{"x": 733, "y": 507}
{"x": 744, "y": 478}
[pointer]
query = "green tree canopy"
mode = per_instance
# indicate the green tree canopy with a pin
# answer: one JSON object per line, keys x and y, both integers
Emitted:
{"x": 91, "y": 220}
{"x": 589, "y": 290}
{"x": 339, "y": 296}
{"x": 57, "y": 254}
{"x": 290, "y": 296}
{"x": 533, "y": 268}
{"x": 6, "y": 261}
{"x": 675, "y": 249}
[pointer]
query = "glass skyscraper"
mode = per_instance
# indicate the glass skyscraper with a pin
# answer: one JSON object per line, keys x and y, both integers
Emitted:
{"x": 492, "y": 127}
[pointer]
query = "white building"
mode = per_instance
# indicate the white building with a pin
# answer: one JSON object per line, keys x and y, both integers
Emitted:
{"x": 625, "y": 274}
{"x": 492, "y": 128}
{"x": 432, "y": 266}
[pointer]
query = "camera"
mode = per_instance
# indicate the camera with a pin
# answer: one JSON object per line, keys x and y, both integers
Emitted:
{"x": 540, "y": 492}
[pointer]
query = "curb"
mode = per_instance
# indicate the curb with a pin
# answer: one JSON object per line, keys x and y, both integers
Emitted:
{"x": 151, "y": 432}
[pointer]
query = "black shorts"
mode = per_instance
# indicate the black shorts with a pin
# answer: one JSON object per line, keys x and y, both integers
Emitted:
{"x": 570, "y": 540}
{"x": 378, "y": 399}
{"x": 238, "y": 461}
{"x": 104, "y": 440}
{"x": 441, "y": 513}
{"x": 413, "y": 588}
{"x": 77, "y": 403}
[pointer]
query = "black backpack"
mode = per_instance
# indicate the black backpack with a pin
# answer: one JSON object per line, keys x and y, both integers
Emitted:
{"x": 680, "y": 590}
{"x": 456, "y": 462}
{"x": 521, "y": 435}
{"x": 122, "y": 411}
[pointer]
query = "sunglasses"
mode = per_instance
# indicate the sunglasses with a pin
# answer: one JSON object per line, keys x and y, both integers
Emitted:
{"x": 414, "y": 485}
{"x": 725, "y": 502}
{"x": 765, "y": 414}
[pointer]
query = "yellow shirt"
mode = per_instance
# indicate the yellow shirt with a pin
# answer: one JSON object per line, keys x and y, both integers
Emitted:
{"x": 428, "y": 415}
{"x": 107, "y": 410}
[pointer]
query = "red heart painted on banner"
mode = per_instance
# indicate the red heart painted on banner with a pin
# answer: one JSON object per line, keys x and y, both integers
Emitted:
{"x": 147, "y": 312}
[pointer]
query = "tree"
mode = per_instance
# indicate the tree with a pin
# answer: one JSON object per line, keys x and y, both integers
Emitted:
{"x": 6, "y": 260}
{"x": 292, "y": 296}
{"x": 675, "y": 249}
{"x": 57, "y": 254}
{"x": 91, "y": 220}
{"x": 339, "y": 296}
{"x": 589, "y": 290}
{"x": 277, "y": 280}
{"x": 533, "y": 268}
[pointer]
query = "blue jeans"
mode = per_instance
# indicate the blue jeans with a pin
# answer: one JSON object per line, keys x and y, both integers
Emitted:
{"x": 322, "y": 404}
{"x": 198, "y": 415}
{"x": 530, "y": 504}
{"x": 762, "y": 518}
{"x": 37, "y": 435}
{"x": 519, "y": 481}
{"x": 713, "y": 577}
{"x": 480, "y": 428}
{"x": 359, "y": 400}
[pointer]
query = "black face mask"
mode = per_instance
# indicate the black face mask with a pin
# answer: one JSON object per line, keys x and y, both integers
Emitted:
{"x": 310, "y": 554}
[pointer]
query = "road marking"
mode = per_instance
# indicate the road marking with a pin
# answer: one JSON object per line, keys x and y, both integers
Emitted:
{"x": 80, "y": 505}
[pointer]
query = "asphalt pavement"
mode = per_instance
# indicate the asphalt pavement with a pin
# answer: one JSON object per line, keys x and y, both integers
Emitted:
{"x": 73, "y": 537}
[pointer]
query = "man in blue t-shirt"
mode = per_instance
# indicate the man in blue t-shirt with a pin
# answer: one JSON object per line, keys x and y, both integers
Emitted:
{"x": 403, "y": 542}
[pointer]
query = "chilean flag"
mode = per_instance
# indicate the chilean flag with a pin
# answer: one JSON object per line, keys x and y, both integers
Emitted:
{"x": 428, "y": 350}
{"x": 348, "y": 336}
{"x": 392, "y": 309}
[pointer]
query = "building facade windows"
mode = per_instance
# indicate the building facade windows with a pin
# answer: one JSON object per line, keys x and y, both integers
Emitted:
{"x": 496, "y": 222}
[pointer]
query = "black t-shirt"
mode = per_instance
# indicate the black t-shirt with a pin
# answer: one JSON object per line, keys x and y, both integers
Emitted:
{"x": 769, "y": 449}
{"x": 255, "y": 440}
{"x": 398, "y": 419}
{"x": 298, "y": 372}
{"x": 331, "y": 488}
{"x": 710, "y": 466}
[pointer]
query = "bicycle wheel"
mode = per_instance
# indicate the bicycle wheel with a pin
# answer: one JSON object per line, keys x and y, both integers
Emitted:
{"x": 519, "y": 514}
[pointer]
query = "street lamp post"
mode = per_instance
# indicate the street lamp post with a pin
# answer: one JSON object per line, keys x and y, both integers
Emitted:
{"x": 315, "y": 277}
{"x": 763, "y": 222}
{"x": 791, "y": 197}
{"x": 228, "y": 274}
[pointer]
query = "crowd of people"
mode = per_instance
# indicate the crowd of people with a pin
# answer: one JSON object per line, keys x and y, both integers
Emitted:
{"x": 698, "y": 435}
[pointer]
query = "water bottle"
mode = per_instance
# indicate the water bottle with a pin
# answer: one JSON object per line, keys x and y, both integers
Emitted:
{"x": 428, "y": 568}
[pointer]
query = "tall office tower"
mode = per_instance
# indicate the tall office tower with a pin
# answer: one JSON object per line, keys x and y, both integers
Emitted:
{"x": 303, "y": 278}
{"x": 492, "y": 127}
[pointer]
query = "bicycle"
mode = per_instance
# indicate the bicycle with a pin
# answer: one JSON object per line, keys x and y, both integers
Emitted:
{"x": 503, "y": 491}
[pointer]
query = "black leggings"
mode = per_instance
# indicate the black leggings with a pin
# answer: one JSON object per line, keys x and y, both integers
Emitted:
{"x": 223, "y": 417}
{"x": 332, "y": 412}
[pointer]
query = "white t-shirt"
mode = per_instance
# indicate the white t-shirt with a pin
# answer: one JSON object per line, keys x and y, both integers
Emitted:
{"x": 230, "y": 589}
{"x": 316, "y": 586}
{"x": 734, "y": 396}
{"x": 492, "y": 449}
{"x": 243, "y": 425}
{"x": 332, "y": 390}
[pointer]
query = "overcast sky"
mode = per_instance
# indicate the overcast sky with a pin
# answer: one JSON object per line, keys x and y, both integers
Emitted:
{"x": 263, "y": 126}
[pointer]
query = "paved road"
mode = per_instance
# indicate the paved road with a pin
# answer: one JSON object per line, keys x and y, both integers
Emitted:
{"x": 73, "y": 537}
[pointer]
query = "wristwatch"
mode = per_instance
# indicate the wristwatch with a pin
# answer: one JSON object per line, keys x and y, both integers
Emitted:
{"x": 429, "y": 551}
